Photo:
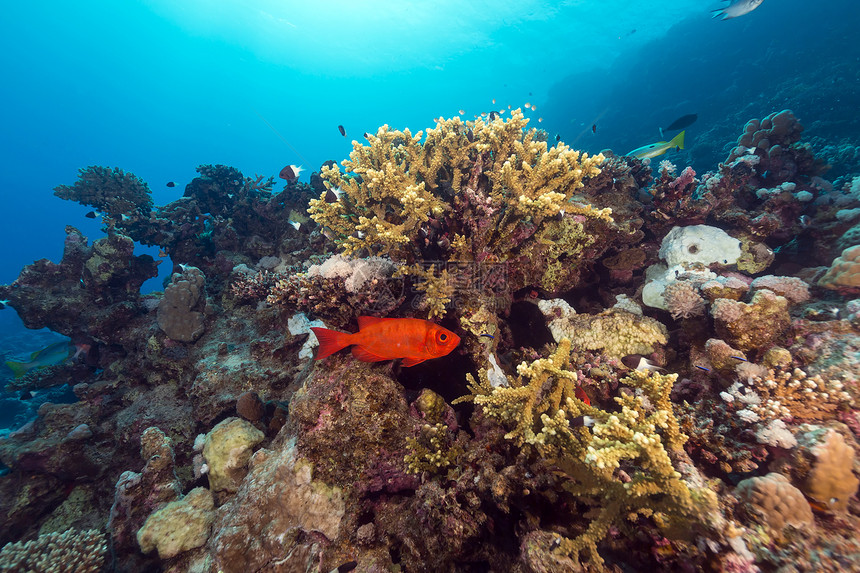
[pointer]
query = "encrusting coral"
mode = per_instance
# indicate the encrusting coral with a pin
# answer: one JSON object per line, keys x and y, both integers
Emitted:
{"x": 480, "y": 192}
{"x": 614, "y": 332}
{"x": 831, "y": 480}
{"x": 621, "y": 464}
{"x": 176, "y": 316}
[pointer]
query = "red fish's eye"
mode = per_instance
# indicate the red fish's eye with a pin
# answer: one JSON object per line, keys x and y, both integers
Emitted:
{"x": 443, "y": 337}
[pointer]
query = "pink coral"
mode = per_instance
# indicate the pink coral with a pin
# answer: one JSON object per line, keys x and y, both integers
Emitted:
{"x": 686, "y": 177}
{"x": 792, "y": 288}
{"x": 683, "y": 300}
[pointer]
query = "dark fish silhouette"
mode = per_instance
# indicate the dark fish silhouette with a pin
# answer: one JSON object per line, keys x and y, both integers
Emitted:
{"x": 290, "y": 173}
{"x": 593, "y": 128}
{"x": 558, "y": 137}
{"x": 91, "y": 215}
{"x": 366, "y": 135}
{"x": 682, "y": 122}
{"x": 171, "y": 184}
{"x": 341, "y": 130}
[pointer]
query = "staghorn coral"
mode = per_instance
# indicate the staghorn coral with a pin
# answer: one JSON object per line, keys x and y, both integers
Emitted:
{"x": 791, "y": 394}
{"x": 69, "y": 552}
{"x": 621, "y": 464}
{"x": 111, "y": 191}
{"x": 433, "y": 450}
{"x": 488, "y": 192}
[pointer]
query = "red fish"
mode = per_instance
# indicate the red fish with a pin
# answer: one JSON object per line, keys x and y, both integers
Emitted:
{"x": 413, "y": 339}
{"x": 580, "y": 393}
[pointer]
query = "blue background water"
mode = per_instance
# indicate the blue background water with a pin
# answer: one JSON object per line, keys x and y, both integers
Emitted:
{"x": 159, "y": 87}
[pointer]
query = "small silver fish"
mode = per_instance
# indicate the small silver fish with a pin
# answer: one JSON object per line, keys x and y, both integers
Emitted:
{"x": 737, "y": 8}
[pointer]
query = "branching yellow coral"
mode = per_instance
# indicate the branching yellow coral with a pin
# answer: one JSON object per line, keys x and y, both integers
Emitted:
{"x": 437, "y": 289}
{"x": 467, "y": 192}
{"x": 432, "y": 451}
{"x": 784, "y": 394}
{"x": 621, "y": 464}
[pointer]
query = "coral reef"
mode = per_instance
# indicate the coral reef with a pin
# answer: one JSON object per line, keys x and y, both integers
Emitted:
{"x": 614, "y": 332}
{"x": 71, "y": 551}
{"x": 844, "y": 274}
{"x": 175, "y": 315}
{"x": 621, "y": 464}
{"x": 227, "y": 449}
{"x": 111, "y": 191}
{"x": 776, "y": 501}
{"x": 831, "y": 481}
{"x": 474, "y": 192}
{"x": 631, "y": 391}
{"x": 757, "y": 324}
{"x": 178, "y": 526}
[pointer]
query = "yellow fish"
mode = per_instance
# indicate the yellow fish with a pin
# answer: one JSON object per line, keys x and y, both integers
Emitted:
{"x": 659, "y": 148}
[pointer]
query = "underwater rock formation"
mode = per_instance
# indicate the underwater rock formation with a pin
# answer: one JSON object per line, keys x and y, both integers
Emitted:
{"x": 577, "y": 426}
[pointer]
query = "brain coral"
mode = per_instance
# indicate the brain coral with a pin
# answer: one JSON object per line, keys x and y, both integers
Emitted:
{"x": 175, "y": 315}
{"x": 831, "y": 480}
{"x": 775, "y": 501}
{"x": 844, "y": 273}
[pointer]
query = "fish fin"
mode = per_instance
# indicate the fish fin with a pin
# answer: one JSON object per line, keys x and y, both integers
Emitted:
{"x": 678, "y": 140}
{"x": 407, "y": 362}
{"x": 363, "y": 354}
{"x": 365, "y": 321}
{"x": 330, "y": 341}
{"x": 18, "y": 368}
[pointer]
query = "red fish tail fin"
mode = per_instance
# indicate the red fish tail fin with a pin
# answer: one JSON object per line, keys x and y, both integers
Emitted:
{"x": 330, "y": 341}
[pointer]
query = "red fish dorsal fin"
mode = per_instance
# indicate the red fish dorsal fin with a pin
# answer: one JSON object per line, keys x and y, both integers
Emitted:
{"x": 365, "y": 321}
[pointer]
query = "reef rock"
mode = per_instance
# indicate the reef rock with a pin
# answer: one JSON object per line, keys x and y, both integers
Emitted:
{"x": 227, "y": 450}
{"x": 176, "y": 316}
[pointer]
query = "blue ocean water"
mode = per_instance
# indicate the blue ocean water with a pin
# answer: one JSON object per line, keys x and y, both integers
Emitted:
{"x": 159, "y": 87}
